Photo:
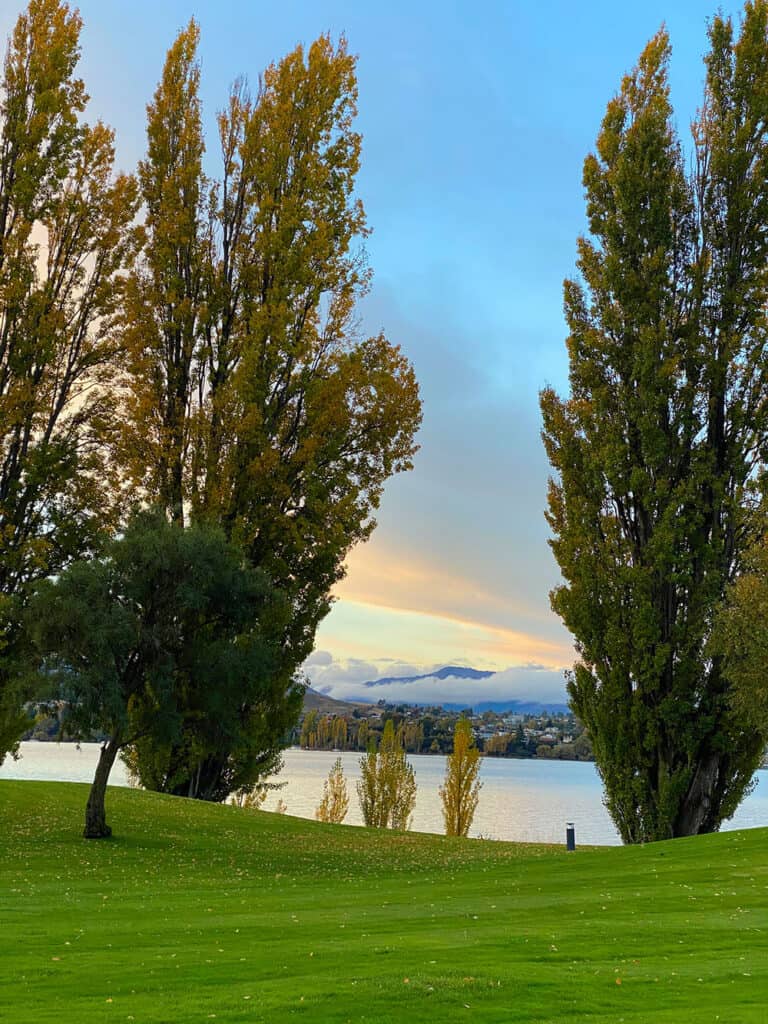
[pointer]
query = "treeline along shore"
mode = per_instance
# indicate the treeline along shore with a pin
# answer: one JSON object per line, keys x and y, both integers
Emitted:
{"x": 430, "y": 730}
{"x": 423, "y": 730}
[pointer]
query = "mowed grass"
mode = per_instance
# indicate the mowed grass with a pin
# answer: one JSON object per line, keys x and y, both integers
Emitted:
{"x": 193, "y": 913}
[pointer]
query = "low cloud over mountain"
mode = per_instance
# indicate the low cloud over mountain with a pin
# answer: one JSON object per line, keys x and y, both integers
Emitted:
{"x": 396, "y": 682}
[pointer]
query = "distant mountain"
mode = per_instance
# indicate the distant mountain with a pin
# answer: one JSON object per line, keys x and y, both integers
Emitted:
{"x": 522, "y": 707}
{"x": 455, "y": 671}
{"x": 516, "y": 707}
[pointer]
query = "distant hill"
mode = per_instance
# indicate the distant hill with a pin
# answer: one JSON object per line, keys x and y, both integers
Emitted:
{"x": 517, "y": 707}
{"x": 455, "y": 671}
{"x": 314, "y": 701}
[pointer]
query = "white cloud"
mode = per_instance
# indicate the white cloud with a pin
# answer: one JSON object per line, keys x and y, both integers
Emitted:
{"x": 318, "y": 658}
{"x": 327, "y": 676}
{"x": 344, "y": 680}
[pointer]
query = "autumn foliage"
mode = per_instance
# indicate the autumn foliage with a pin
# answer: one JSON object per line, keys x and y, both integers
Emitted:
{"x": 335, "y": 801}
{"x": 387, "y": 788}
{"x": 65, "y": 240}
{"x": 460, "y": 791}
{"x": 189, "y": 343}
{"x": 250, "y": 399}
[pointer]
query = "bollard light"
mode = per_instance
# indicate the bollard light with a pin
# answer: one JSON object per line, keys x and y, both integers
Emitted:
{"x": 570, "y": 836}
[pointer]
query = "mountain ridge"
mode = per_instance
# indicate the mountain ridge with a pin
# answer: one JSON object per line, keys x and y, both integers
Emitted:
{"x": 513, "y": 705}
{"x": 447, "y": 672}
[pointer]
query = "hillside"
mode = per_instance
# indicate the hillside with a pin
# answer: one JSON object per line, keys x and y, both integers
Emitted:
{"x": 314, "y": 701}
{"x": 196, "y": 912}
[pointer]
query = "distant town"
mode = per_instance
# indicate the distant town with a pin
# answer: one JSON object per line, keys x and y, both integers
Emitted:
{"x": 328, "y": 724}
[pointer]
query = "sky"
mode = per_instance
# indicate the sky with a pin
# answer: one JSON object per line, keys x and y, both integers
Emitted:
{"x": 476, "y": 118}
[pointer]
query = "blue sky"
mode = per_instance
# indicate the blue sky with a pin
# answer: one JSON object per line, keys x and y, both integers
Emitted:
{"x": 476, "y": 119}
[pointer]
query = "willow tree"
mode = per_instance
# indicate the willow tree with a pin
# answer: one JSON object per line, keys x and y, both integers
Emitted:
{"x": 659, "y": 444}
{"x": 64, "y": 243}
{"x": 253, "y": 400}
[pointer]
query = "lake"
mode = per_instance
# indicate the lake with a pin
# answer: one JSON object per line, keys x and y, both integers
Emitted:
{"x": 523, "y": 801}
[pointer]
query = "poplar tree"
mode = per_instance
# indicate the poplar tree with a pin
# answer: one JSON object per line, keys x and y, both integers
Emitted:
{"x": 658, "y": 447}
{"x": 65, "y": 241}
{"x": 253, "y": 401}
{"x": 335, "y": 802}
{"x": 461, "y": 790}
{"x": 387, "y": 788}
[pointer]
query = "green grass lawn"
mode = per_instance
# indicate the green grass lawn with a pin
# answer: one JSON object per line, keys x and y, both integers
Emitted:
{"x": 194, "y": 913}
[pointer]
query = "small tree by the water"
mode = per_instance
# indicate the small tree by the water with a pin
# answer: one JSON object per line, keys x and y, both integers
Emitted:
{"x": 252, "y": 798}
{"x": 335, "y": 803}
{"x": 387, "y": 789}
{"x": 461, "y": 790}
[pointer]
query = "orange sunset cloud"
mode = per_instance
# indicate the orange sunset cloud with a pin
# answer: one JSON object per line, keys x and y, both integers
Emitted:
{"x": 389, "y": 604}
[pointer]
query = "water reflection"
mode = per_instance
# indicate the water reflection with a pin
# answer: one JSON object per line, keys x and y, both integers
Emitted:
{"x": 524, "y": 801}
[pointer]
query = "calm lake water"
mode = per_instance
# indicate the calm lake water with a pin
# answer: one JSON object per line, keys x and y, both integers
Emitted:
{"x": 526, "y": 801}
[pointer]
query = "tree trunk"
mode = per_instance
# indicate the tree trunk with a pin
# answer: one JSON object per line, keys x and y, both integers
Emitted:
{"x": 696, "y": 810}
{"x": 96, "y": 826}
{"x": 206, "y": 782}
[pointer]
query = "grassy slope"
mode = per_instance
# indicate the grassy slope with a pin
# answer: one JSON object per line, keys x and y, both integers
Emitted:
{"x": 195, "y": 913}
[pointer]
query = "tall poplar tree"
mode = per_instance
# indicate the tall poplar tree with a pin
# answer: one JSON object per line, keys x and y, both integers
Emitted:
{"x": 387, "y": 786}
{"x": 460, "y": 791}
{"x": 253, "y": 400}
{"x": 657, "y": 448}
{"x": 166, "y": 296}
{"x": 64, "y": 243}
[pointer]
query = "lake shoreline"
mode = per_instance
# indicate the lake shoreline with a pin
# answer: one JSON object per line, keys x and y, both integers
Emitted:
{"x": 521, "y": 799}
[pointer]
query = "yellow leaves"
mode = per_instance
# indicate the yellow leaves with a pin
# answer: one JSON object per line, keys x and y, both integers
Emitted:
{"x": 387, "y": 789}
{"x": 335, "y": 802}
{"x": 56, "y": 300}
{"x": 460, "y": 792}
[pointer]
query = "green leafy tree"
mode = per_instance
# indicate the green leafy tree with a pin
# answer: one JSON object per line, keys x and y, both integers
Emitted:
{"x": 461, "y": 790}
{"x": 335, "y": 802}
{"x": 252, "y": 401}
{"x": 65, "y": 240}
{"x": 126, "y": 636}
{"x": 655, "y": 451}
{"x": 387, "y": 788}
{"x": 741, "y": 638}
